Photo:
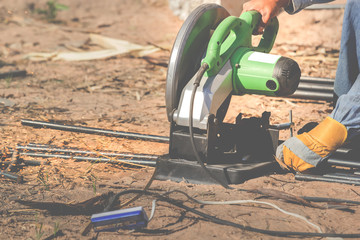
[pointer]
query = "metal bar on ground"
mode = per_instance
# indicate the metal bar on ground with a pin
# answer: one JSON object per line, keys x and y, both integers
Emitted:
{"x": 310, "y": 177}
{"x": 312, "y": 95}
{"x": 315, "y": 87}
{"x": 54, "y": 149}
{"x": 90, "y": 130}
{"x": 12, "y": 176}
{"x": 281, "y": 126}
{"x": 345, "y": 157}
{"x": 329, "y": 81}
{"x": 343, "y": 162}
{"x": 90, "y": 159}
{"x": 345, "y": 176}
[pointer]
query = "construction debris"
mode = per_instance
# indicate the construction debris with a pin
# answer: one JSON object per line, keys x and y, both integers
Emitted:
{"x": 112, "y": 47}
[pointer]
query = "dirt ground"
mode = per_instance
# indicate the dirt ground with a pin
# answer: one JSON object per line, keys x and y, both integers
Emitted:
{"x": 127, "y": 93}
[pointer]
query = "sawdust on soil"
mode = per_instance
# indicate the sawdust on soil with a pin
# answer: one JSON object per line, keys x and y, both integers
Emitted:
{"x": 127, "y": 94}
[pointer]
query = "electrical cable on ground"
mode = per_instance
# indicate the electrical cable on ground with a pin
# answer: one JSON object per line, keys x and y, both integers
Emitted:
{"x": 217, "y": 220}
{"x": 247, "y": 201}
{"x": 152, "y": 210}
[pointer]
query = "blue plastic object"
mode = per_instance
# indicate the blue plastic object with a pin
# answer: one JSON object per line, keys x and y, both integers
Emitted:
{"x": 130, "y": 218}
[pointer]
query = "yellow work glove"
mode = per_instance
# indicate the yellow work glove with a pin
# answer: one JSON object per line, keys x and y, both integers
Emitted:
{"x": 308, "y": 149}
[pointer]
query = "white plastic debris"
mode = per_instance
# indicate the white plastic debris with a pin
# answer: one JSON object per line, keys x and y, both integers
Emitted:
{"x": 112, "y": 47}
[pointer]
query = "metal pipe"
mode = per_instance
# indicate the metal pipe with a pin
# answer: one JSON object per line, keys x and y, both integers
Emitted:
{"x": 12, "y": 176}
{"x": 312, "y": 95}
{"x": 315, "y": 87}
{"x": 73, "y": 151}
{"x": 343, "y": 163}
{"x": 309, "y": 177}
{"x": 329, "y": 81}
{"x": 281, "y": 126}
{"x": 345, "y": 176}
{"x": 344, "y": 157}
{"x": 90, "y": 159}
{"x": 90, "y": 130}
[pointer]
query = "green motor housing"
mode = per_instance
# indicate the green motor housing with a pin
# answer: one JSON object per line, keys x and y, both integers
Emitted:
{"x": 255, "y": 71}
{"x": 262, "y": 73}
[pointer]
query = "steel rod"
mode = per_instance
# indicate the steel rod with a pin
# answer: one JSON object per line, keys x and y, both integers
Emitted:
{"x": 345, "y": 157}
{"x": 309, "y": 177}
{"x": 12, "y": 176}
{"x": 345, "y": 176}
{"x": 91, "y": 159}
{"x": 343, "y": 163}
{"x": 315, "y": 87}
{"x": 312, "y": 95}
{"x": 329, "y": 81}
{"x": 90, "y": 130}
{"x": 281, "y": 126}
{"x": 78, "y": 151}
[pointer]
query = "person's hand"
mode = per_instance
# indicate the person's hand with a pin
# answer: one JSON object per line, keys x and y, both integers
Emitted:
{"x": 306, "y": 150}
{"x": 267, "y": 8}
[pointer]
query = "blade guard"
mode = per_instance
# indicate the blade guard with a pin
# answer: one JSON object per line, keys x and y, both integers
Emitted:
{"x": 234, "y": 32}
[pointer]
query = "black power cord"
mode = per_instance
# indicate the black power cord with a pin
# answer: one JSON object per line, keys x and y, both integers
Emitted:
{"x": 220, "y": 221}
{"x": 197, "y": 81}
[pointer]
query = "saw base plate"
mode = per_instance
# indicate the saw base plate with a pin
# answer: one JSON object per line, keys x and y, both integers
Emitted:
{"x": 180, "y": 170}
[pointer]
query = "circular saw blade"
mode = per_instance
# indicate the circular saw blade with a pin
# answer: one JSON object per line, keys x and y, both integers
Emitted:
{"x": 188, "y": 50}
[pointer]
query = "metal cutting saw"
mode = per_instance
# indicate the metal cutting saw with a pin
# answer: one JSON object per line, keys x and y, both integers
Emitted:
{"x": 212, "y": 59}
